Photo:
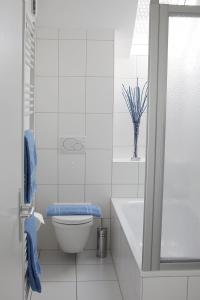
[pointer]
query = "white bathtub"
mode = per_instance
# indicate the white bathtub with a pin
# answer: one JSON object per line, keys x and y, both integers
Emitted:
{"x": 179, "y": 225}
{"x": 179, "y": 241}
{"x": 130, "y": 215}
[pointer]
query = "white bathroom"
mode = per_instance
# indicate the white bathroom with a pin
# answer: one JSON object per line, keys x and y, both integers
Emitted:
{"x": 99, "y": 150}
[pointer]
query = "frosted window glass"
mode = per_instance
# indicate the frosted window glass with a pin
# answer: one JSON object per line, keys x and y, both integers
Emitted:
{"x": 181, "y": 195}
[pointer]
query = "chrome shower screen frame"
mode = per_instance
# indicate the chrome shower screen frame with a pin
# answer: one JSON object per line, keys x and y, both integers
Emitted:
{"x": 158, "y": 63}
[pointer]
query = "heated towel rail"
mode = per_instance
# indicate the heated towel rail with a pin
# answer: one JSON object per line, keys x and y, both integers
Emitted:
{"x": 29, "y": 33}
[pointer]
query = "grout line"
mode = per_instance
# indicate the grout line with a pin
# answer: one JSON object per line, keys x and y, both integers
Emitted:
{"x": 76, "y": 39}
{"x": 57, "y": 264}
{"x": 138, "y": 166}
{"x": 117, "y": 277}
{"x": 58, "y": 121}
{"x": 112, "y": 165}
{"x": 75, "y": 154}
{"x": 58, "y": 281}
{"x": 101, "y": 280}
{"x": 187, "y": 289}
{"x": 95, "y": 76}
{"x": 77, "y": 184}
{"x": 74, "y": 264}
{"x": 74, "y": 113}
{"x": 85, "y": 81}
{"x": 76, "y": 276}
{"x": 82, "y": 76}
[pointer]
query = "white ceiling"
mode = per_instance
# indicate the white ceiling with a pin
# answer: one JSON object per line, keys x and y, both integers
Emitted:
{"x": 97, "y": 14}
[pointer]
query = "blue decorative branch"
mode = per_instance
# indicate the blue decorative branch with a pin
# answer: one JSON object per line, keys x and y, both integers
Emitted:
{"x": 136, "y": 102}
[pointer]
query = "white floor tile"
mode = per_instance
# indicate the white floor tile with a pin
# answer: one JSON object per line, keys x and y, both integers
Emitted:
{"x": 89, "y": 258}
{"x": 98, "y": 290}
{"x": 95, "y": 272}
{"x": 56, "y": 290}
{"x": 56, "y": 258}
{"x": 58, "y": 273}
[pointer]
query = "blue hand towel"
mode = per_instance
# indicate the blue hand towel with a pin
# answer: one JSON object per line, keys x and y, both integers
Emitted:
{"x": 74, "y": 209}
{"x": 30, "y": 163}
{"x": 34, "y": 270}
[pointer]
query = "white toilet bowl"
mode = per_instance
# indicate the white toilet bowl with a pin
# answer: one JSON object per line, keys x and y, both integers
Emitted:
{"x": 72, "y": 232}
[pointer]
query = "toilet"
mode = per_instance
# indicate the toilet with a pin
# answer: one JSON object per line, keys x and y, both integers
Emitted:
{"x": 72, "y": 232}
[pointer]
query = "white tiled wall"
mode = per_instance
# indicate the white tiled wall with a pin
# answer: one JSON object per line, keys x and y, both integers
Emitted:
{"x": 128, "y": 177}
{"x": 165, "y": 288}
{"x": 74, "y": 97}
{"x": 126, "y": 72}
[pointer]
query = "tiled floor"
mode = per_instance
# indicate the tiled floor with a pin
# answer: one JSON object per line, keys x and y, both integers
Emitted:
{"x": 81, "y": 277}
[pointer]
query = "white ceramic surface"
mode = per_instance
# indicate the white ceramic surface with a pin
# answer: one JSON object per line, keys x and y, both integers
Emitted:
{"x": 72, "y": 238}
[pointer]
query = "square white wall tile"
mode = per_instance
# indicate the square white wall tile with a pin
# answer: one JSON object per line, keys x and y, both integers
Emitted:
{"x": 125, "y": 173}
{"x": 45, "y": 195}
{"x": 142, "y": 67}
{"x": 126, "y": 67}
{"x": 123, "y": 134}
{"x": 106, "y": 290}
{"x": 72, "y": 34}
{"x": 123, "y": 152}
{"x": 46, "y": 237}
{"x": 47, "y": 167}
{"x": 71, "y": 193}
{"x": 141, "y": 190}
{"x": 72, "y": 94}
{"x": 100, "y": 58}
{"x": 141, "y": 172}
{"x": 125, "y": 191}
{"x": 193, "y": 288}
{"x": 46, "y": 94}
{"x": 72, "y": 57}
{"x": 165, "y": 288}
{"x": 71, "y": 169}
{"x": 99, "y": 131}
{"x": 71, "y": 125}
{"x": 47, "y": 33}
{"x": 92, "y": 242}
{"x": 100, "y": 195}
{"x": 99, "y": 95}
{"x": 46, "y": 130}
{"x": 98, "y": 166}
{"x": 47, "y": 58}
{"x": 56, "y": 290}
{"x": 100, "y": 35}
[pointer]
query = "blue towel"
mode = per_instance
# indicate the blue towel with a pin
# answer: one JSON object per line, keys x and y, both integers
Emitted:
{"x": 73, "y": 209}
{"x": 30, "y": 163}
{"x": 34, "y": 270}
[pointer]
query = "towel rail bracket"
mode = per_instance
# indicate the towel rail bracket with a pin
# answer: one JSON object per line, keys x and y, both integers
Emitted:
{"x": 26, "y": 211}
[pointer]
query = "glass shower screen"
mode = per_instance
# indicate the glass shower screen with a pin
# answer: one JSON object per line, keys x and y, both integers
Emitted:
{"x": 180, "y": 240}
